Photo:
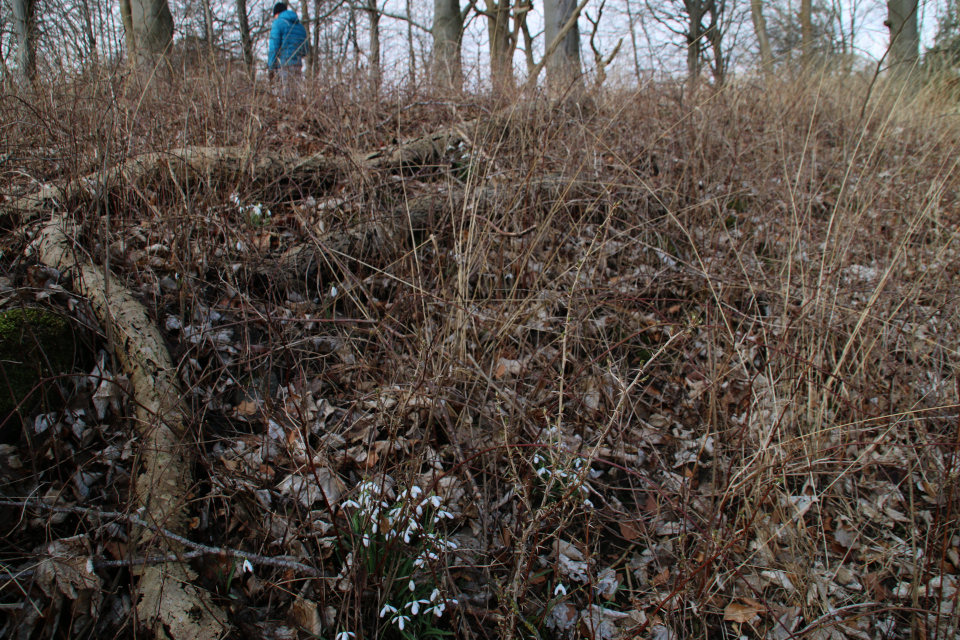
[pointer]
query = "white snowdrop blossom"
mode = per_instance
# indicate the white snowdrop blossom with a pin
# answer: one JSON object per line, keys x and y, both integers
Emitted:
{"x": 247, "y": 566}
{"x": 414, "y": 605}
{"x": 387, "y": 609}
{"x": 345, "y": 635}
{"x": 401, "y": 621}
{"x": 560, "y": 589}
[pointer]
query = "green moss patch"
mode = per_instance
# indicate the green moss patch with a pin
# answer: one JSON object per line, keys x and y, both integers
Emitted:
{"x": 35, "y": 345}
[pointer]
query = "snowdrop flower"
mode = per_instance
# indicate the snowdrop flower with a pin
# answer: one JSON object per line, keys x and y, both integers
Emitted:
{"x": 536, "y": 459}
{"x": 345, "y": 635}
{"x": 366, "y": 540}
{"x": 401, "y": 620}
{"x": 543, "y": 470}
{"x": 333, "y": 292}
{"x": 415, "y": 491}
{"x": 239, "y": 246}
{"x": 436, "y": 502}
{"x": 387, "y": 609}
{"x": 413, "y": 586}
{"x": 247, "y": 567}
{"x": 434, "y": 594}
{"x": 414, "y": 605}
{"x": 588, "y": 504}
{"x": 350, "y": 503}
{"x": 560, "y": 589}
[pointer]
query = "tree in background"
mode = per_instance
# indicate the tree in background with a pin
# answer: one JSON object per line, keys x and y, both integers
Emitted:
{"x": 149, "y": 28}
{"x": 813, "y": 42}
{"x": 25, "y": 26}
{"x": 904, "y": 36}
{"x": 447, "y": 31}
{"x": 945, "y": 52}
{"x": 563, "y": 66}
{"x": 503, "y": 40}
{"x": 246, "y": 44}
{"x": 763, "y": 40}
{"x": 703, "y": 24}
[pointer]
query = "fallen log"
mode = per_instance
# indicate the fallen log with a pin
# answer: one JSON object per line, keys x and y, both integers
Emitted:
{"x": 231, "y": 166}
{"x": 168, "y": 604}
{"x": 381, "y": 239}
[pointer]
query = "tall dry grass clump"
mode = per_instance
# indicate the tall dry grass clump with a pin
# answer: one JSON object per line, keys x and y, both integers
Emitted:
{"x": 675, "y": 365}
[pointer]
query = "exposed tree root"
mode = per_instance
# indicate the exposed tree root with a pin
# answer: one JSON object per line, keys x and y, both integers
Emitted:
{"x": 169, "y": 604}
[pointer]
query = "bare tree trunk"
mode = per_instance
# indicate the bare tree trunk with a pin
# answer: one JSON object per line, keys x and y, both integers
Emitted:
{"x": 633, "y": 41}
{"x": 563, "y": 67}
{"x": 694, "y": 39}
{"x": 760, "y": 27}
{"x": 129, "y": 36}
{"x": 501, "y": 51}
{"x": 527, "y": 47}
{"x": 410, "y": 49}
{"x": 152, "y": 25}
{"x": 25, "y": 22}
{"x": 245, "y": 43}
{"x": 904, "y": 36}
{"x": 305, "y": 21}
{"x": 88, "y": 31}
{"x": 447, "y": 38}
{"x": 376, "y": 76}
{"x": 315, "y": 49}
{"x": 806, "y": 33}
{"x": 208, "y": 25}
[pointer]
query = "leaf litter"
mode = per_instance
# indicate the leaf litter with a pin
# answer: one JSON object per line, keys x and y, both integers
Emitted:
{"x": 638, "y": 425}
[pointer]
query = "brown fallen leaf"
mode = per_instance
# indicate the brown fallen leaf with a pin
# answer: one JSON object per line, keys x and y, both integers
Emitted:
{"x": 661, "y": 578}
{"x": 742, "y": 613}
{"x": 630, "y": 530}
{"x": 304, "y": 614}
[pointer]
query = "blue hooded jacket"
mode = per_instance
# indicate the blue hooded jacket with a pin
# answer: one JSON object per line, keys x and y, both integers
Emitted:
{"x": 288, "y": 41}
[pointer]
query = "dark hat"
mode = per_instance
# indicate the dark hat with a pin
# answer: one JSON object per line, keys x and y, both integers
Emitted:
{"x": 279, "y": 8}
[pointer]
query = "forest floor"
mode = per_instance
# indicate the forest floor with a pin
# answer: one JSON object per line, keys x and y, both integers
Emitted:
{"x": 673, "y": 365}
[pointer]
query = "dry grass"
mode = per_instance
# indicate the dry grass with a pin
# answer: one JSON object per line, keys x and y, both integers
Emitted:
{"x": 732, "y": 328}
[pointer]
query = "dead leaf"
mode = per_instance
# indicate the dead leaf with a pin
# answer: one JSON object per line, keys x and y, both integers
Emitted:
{"x": 630, "y": 530}
{"x": 304, "y": 614}
{"x": 661, "y": 578}
{"x": 742, "y": 613}
{"x": 247, "y": 409}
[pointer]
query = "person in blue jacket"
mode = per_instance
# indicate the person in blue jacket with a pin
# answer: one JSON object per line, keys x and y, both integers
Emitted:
{"x": 288, "y": 46}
